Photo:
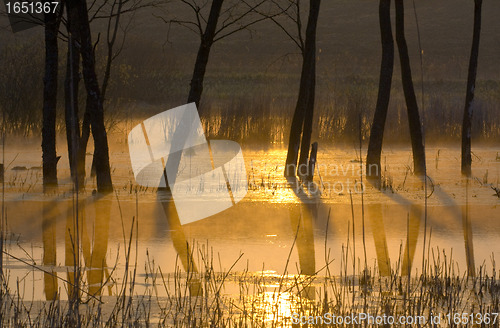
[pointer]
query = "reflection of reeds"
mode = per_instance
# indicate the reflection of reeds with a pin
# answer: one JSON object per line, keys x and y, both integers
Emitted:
{"x": 467, "y": 228}
{"x": 268, "y": 299}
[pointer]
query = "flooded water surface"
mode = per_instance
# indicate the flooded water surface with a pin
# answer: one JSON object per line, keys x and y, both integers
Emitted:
{"x": 278, "y": 228}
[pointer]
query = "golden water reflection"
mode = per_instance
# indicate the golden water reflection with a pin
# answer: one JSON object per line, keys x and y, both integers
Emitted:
{"x": 265, "y": 226}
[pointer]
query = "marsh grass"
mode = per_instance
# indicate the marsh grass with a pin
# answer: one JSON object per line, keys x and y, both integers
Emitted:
{"x": 261, "y": 116}
{"x": 252, "y": 108}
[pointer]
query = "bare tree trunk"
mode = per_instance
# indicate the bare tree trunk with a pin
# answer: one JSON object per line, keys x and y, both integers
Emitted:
{"x": 173, "y": 161}
{"x": 311, "y": 164}
{"x": 384, "y": 92}
{"x": 50, "y": 102}
{"x": 417, "y": 142}
{"x": 94, "y": 100}
{"x": 296, "y": 127}
{"x": 310, "y": 63}
{"x": 207, "y": 40}
{"x": 469, "y": 96}
{"x": 71, "y": 86}
{"x": 112, "y": 32}
{"x": 111, "y": 36}
{"x": 305, "y": 100}
{"x": 200, "y": 67}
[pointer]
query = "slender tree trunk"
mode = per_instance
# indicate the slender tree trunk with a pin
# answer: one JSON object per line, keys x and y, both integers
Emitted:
{"x": 200, "y": 67}
{"x": 310, "y": 63}
{"x": 50, "y": 102}
{"x": 173, "y": 161}
{"x": 207, "y": 40}
{"x": 384, "y": 92}
{"x": 107, "y": 74}
{"x": 112, "y": 32}
{"x": 95, "y": 106}
{"x": 469, "y": 96}
{"x": 297, "y": 125}
{"x": 417, "y": 141}
{"x": 305, "y": 100}
{"x": 71, "y": 87}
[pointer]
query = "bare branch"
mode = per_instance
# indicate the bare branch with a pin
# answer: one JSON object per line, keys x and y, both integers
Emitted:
{"x": 293, "y": 17}
{"x": 242, "y": 27}
{"x": 192, "y": 26}
{"x": 299, "y": 25}
{"x": 228, "y": 23}
{"x": 238, "y": 15}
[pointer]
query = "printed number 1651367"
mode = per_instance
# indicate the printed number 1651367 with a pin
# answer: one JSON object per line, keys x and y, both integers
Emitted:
{"x": 31, "y": 7}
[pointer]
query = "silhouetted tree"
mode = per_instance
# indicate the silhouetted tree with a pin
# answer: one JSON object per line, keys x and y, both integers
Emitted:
{"x": 309, "y": 84}
{"x": 78, "y": 13}
{"x": 49, "y": 156}
{"x": 384, "y": 91}
{"x": 117, "y": 27}
{"x": 200, "y": 66}
{"x": 71, "y": 88}
{"x": 82, "y": 51}
{"x": 469, "y": 95}
{"x": 207, "y": 39}
{"x": 113, "y": 16}
{"x": 385, "y": 81}
{"x": 302, "y": 121}
{"x": 94, "y": 102}
{"x": 417, "y": 141}
{"x": 236, "y": 16}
